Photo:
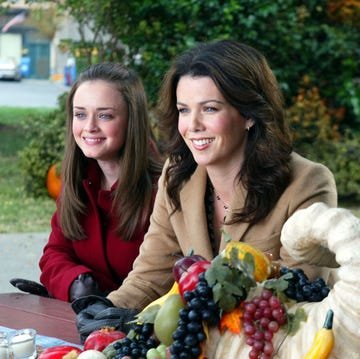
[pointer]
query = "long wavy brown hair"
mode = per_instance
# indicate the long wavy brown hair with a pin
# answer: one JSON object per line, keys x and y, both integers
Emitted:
{"x": 246, "y": 81}
{"x": 140, "y": 164}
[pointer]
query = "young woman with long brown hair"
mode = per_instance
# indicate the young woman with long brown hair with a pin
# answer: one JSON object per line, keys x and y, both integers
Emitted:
{"x": 109, "y": 177}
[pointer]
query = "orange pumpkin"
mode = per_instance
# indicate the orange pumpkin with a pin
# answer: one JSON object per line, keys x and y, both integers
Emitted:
{"x": 53, "y": 181}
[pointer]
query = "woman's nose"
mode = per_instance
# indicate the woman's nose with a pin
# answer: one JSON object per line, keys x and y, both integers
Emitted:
{"x": 91, "y": 123}
{"x": 196, "y": 123}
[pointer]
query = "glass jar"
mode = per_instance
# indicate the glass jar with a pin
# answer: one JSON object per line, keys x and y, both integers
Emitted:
{"x": 4, "y": 346}
{"x": 22, "y": 344}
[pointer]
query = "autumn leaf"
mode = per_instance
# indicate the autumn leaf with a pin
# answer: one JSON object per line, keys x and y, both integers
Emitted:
{"x": 232, "y": 321}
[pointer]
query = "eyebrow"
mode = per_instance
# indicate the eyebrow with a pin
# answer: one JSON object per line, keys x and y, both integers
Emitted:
{"x": 97, "y": 109}
{"x": 202, "y": 102}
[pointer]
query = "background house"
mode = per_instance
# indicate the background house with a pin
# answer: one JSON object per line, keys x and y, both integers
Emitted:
{"x": 35, "y": 51}
{"x": 40, "y": 33}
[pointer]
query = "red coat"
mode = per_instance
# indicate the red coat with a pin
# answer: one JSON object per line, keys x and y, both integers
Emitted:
{"x": 103, "y": 253}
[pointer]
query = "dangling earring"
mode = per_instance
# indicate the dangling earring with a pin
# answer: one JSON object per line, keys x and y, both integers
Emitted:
{"x": 250, "y": 124}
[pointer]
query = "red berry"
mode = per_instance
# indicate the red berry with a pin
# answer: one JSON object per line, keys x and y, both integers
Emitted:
{"x": 274, "y": 302}
{"x": 273, "y": 326}
{"x": 266, "y": 294}
{"x": 268, "y": 348}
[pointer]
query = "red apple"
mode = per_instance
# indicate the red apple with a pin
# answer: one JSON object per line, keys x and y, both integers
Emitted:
{"x": 182, "y": 264}
{"x": 190, "y": 278}
{"x": 100, "y": 339}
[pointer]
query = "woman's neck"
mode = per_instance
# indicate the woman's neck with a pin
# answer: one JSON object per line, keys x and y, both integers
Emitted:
{"x": 110, "y": 173}
{"x": 223, "y": 183}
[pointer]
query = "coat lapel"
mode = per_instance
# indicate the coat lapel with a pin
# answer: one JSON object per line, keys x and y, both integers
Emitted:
{"x": 192, "y": 200}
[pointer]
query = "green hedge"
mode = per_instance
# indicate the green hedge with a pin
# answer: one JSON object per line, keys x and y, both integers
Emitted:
{"x": 46, "y": 135}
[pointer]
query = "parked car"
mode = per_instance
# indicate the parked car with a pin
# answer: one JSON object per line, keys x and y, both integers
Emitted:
{"x": 9, "y": 69}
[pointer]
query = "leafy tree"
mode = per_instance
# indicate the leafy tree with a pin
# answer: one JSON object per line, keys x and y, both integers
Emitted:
{"x": 317, "y": 40}
{"x": 312, "y": 38}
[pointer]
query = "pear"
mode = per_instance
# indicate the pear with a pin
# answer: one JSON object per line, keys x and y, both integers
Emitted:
{"x": 166, "y": 320}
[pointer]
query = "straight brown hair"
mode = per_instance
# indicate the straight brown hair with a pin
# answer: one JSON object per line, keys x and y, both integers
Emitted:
{"x": 139, "y": 159}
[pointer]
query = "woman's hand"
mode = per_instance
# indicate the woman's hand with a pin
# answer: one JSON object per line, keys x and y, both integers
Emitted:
{"x": 94, "y": 312}
{"x": 82, "y": 286}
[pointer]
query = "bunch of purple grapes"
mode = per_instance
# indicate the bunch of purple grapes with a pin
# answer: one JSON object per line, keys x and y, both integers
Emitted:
{"x": 136, "y": 347}
{"x": 189, "y": 333}
{"x": 301, "y": 289}
{"x": 263, "y": 317}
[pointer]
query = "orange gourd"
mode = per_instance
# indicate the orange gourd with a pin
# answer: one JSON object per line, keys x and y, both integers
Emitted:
{"x": 53, "y": 181}
{"x": 262, "y": 262}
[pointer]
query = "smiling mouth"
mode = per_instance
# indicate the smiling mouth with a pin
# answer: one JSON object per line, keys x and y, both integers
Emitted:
{"x": 202, "y": 142}
{"x": 93, "y": 140}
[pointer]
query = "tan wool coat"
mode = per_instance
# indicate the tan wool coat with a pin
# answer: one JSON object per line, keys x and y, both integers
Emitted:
{"x": 171, "y": 236}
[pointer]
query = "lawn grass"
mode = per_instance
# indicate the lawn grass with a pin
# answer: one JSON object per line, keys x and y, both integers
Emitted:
{"x": 18, "y": 211}
{"x": 15, "y": 115}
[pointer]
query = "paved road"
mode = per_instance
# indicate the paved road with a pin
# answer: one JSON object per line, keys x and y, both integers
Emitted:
{"x": 31, "y": 93}
{"x": 19, "y": 257}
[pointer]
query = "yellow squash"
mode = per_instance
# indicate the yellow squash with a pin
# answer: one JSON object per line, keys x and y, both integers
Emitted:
{"x": 323, "y": 341}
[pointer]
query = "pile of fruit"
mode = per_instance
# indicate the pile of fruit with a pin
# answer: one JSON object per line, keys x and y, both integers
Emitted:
{"x": 238, "y": 291}
{"x": 235, "y": 307}
{"x": 233, "y": 292}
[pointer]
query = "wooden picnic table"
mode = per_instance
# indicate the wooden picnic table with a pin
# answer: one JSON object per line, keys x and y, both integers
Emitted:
{"x": 50, "y": 317}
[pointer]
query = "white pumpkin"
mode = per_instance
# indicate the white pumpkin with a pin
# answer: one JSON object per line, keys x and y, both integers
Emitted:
{"x": 306, "y": 235}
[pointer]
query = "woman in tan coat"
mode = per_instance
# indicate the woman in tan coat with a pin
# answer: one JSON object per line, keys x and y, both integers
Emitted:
{"x": 231, "y": 167}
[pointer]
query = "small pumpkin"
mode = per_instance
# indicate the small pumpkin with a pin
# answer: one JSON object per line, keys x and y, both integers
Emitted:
{"x": 53, "y": 181}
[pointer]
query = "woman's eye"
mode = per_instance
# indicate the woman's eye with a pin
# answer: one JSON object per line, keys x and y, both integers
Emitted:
{"x": 79, "y": 115}
{"x": 210, "y": 109}
{"x": 183, "y": 110}
{"x": 105, "y": 116}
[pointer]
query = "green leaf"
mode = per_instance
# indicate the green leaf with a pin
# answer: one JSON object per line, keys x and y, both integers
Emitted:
{"x": 233, "y": 289}
{"x": 217, "y": 292}
{"x": 277, "y": 284}
{"x": 191, "y": 252}
{"x": 148, "y": 315}
{"x": 294, "y": 321}
{"x": 226, "y": 236}
{"x": 247, "y": 282}
{"x": 230, "y": 278}
{"x": 234, "y": 259}
{"x": 227, "y": 303}
{"x": 217, "y": 271}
